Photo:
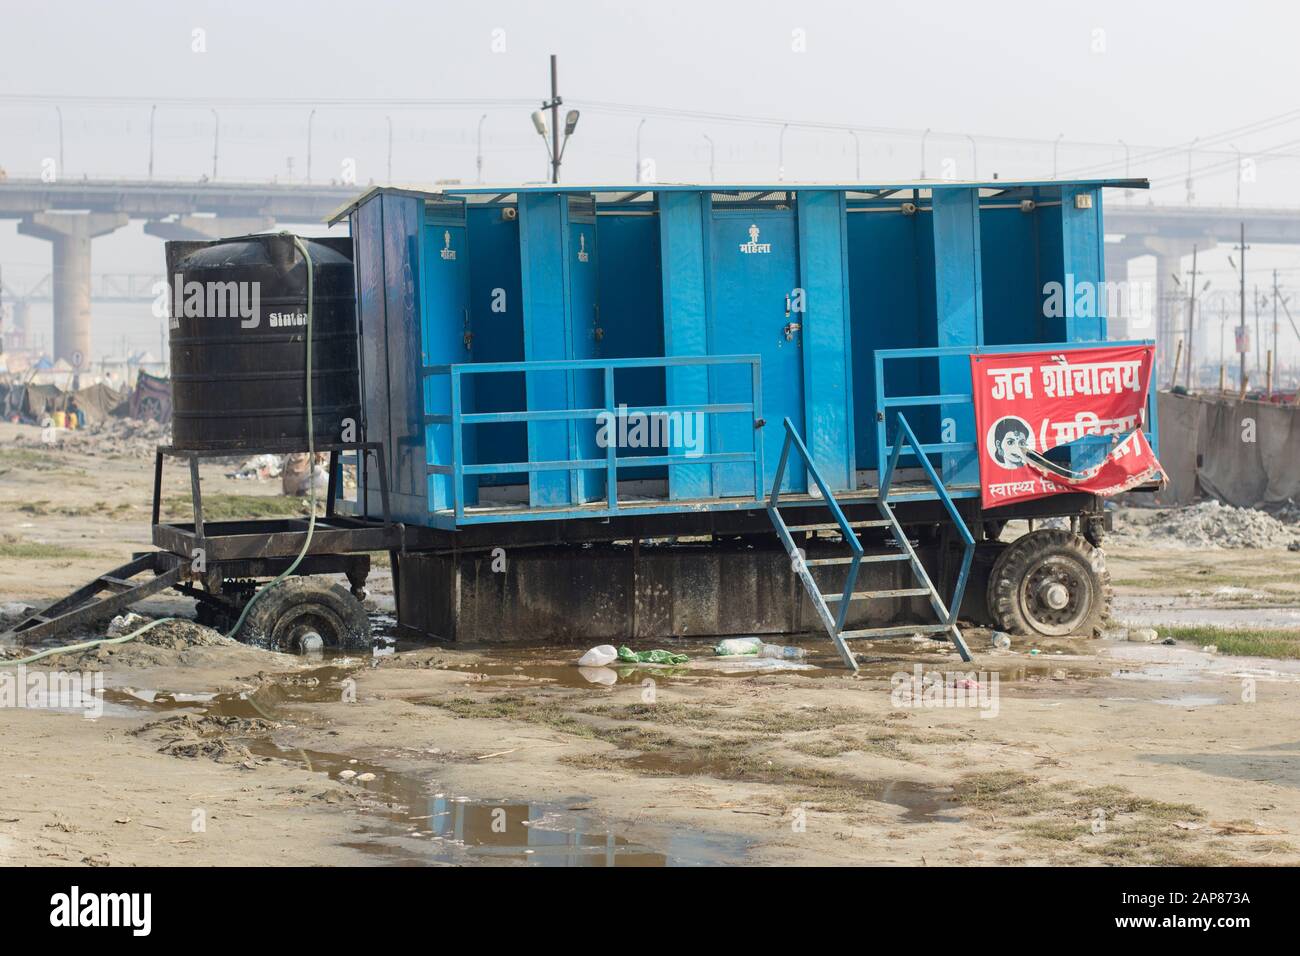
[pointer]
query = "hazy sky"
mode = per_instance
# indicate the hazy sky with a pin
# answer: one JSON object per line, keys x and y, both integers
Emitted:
{"x": 1013, "y": 75}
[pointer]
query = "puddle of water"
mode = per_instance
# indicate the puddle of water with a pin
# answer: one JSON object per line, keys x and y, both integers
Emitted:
{"x": 920, "y": 802}
{"x": 413, "y": 823}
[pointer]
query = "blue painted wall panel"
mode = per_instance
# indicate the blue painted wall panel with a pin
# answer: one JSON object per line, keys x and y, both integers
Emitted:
{"x": 683, "y": 218}
{"x": 367, "y": 227}
{"x": 826, "y": 335}
{"x": 959, "y": 310}
{"x": 403, "y": 222}
{"x": 541, "y": 231}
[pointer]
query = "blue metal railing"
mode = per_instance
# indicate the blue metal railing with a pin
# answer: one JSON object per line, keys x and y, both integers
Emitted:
{"x": 458, "y": 469}
{"x": 792, "y": 440}
{"x": 885, "y": 402}
{"x": 906, "y": 435}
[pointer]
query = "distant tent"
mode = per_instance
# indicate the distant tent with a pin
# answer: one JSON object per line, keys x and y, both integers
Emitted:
{"x": 152, "y": 398}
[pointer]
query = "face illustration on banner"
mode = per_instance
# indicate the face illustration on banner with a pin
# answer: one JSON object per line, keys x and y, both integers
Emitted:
{"x": 1006, "y": 440}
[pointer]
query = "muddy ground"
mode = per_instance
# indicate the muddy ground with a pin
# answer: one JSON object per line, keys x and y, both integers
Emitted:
{"x": 208, "y": 752}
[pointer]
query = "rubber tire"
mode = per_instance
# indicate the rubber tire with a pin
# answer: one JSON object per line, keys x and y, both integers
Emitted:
{"x": 281, "y": 609}
{"x": 1029, "y": 552}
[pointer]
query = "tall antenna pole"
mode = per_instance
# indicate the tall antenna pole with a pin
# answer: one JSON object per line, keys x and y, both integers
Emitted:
{"x": 1277, "y": 356}
{"x": 1191, "y": 324}
{"x": 1242, "y": 328}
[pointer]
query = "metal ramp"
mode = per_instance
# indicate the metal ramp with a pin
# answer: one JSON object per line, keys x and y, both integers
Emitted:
{"x": 85, "y": 606}
{"x": 834, "y": 621}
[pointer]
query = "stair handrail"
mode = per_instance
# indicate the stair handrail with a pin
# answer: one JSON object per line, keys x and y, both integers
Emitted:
{"x": 792, "y": 439}
{"x": 905, "y": 435}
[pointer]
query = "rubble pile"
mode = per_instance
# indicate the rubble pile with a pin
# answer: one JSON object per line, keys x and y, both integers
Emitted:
{"x": 1211, "y": 524}
{"x": 119, "y": 438}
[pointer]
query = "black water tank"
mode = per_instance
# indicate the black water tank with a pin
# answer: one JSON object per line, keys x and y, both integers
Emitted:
{"x": 238, "y": 342}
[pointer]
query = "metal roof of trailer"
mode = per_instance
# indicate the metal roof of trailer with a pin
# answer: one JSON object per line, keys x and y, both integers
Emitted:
{"x": 614, "y": 193}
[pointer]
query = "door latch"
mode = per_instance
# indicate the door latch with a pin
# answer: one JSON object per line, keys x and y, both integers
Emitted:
{"x": 790, "y": 329}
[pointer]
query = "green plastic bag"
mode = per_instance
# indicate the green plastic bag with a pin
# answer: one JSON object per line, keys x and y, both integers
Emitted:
{"x": 629, "y": 656}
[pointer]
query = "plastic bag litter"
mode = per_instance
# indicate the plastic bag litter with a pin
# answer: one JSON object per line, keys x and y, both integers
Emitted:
{"x": 599, "y": 656}
{"x": 738, "y": 645}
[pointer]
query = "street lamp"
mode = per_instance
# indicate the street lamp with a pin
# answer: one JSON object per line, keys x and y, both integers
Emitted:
{"x": 152, "y": 111}
{"x": 570, "y": 124}
{"x": 310, "y": 117}
{"x": 712, "y": 153}
{"x": 478, "y": 155}
{"x": 1056, "y": 148}
{"x": 924, "y": 136}
{"x": 780, "y": 154}
{"x": 216, "y": 137}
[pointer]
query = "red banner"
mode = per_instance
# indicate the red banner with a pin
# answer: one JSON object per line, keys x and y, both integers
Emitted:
{"x": 1027, "y": 403}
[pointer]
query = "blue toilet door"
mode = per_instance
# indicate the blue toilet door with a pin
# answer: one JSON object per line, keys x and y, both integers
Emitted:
{"x": 753, "y": 279}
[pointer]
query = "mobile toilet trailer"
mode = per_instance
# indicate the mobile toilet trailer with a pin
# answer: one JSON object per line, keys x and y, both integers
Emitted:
{"x": 637, "y": 412}
{"x": 750, "y": 353}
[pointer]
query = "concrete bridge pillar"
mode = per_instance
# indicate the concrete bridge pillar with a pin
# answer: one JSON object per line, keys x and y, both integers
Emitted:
{"x": 208, "y": 227}
{"x": 70, "y": 234}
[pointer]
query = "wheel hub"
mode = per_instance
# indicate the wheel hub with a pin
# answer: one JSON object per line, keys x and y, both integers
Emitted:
{"x": 1057, "y": 596}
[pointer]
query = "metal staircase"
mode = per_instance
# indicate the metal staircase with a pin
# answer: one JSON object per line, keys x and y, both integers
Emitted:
{"x": 834, "y": 621}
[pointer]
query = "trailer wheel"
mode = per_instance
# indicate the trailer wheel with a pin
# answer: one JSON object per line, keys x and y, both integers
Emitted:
{"x": 1050, "y": 583}
{"x": 286, "y": 615}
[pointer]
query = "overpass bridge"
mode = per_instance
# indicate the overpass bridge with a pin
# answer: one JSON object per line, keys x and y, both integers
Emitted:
{"x": 69, "y": 214}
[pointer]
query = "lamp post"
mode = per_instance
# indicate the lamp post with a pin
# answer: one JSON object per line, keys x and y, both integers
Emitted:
{"x": 152, "y": 112}
{"x": 216, "y": 138}
{"x": 478, "y": 154}
{"x": 310, "y": 117}
{"x": 638, "y": 150}
{"x": 59, "y": 112}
